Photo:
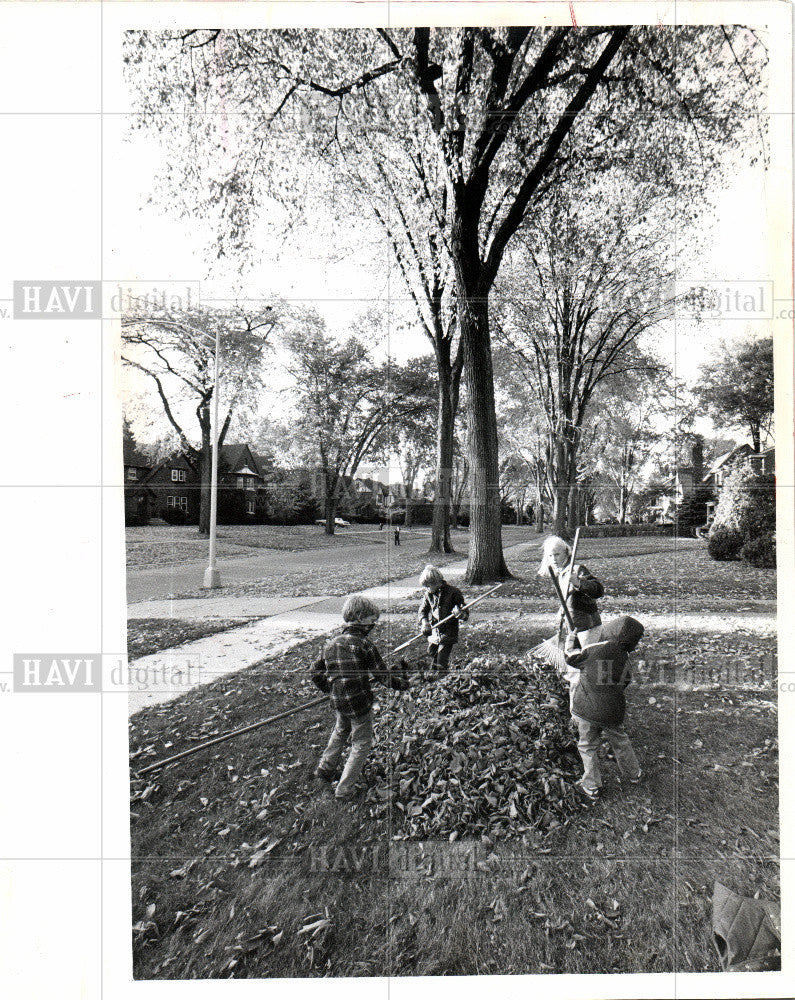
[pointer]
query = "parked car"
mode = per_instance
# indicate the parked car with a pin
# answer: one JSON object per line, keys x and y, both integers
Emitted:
{"x": 339, "y": 522}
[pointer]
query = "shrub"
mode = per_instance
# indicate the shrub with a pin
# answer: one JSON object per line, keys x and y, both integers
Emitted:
{"x": 747, "y": 504}
{"x": 173, "y": 515}
{"x": 690, "y": 514}
{"x": 724, "y": 544}
{"x": 760, "y": 552}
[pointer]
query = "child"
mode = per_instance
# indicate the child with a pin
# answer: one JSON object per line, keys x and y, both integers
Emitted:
{"x": 344, "y": 670}
{"x": 579, "y": 584}
{"x": 439, "y": 601}
{"x": 598, "y": 705}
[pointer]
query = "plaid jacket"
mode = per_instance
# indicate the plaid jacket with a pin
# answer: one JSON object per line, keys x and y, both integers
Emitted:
{"x": 344, "y": 668}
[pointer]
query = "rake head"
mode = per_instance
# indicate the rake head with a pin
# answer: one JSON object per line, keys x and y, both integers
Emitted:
{"x": 551, "y": 651}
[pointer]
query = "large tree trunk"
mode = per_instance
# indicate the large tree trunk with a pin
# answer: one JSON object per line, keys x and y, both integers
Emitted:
{"x": 445, "y": 436}
{"x": 574, "y": 488}
{"x": 330, "y": 500}
{"x": 408, "y": 521}
{"x": 561, "y": 498}
{"x": 330, "y": 512}
{"x": 486, "y": 561}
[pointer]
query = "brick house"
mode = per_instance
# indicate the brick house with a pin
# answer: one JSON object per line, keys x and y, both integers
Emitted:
{"x": 240, "y": 485}
{"x": 174, "y": 485}
{"x": 137, "y": 467}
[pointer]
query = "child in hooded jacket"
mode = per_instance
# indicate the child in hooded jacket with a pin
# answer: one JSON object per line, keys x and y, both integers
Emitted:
{"x": 598, "y": 704}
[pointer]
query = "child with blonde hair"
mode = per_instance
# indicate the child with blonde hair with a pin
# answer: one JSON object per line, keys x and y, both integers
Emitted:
{"x": 577, "y": 584}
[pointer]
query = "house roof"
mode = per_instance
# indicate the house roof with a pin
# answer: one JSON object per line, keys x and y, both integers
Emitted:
{"x": 265, "y": 463}
{"x": 238, "y": 458}
{"x": 726, "y": 458}
{"x": 178, "y": 460}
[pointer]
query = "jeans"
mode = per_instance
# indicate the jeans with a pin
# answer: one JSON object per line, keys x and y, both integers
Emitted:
{"x": 590, "y": 739}
{"x": 360, "y": 730}
{"x": 440, "y": 655}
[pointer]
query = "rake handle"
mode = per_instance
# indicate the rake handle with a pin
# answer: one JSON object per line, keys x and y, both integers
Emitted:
{"x": 228, "y": 736}
{"x": 466, "y": 607}
{"x": 561, "y": 598}
{"x": 572, "y": 563}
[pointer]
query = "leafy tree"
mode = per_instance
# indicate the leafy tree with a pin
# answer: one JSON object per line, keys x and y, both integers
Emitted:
{"x": 628, "y": 434}
{"x": 345, "y": 401}
{"x": 580, "y": 292}
{"x": 414, "y": 447}
{"x": 736, "y": 387}
{"x": 176, "y": 352}
{"x": 503, "y": 108}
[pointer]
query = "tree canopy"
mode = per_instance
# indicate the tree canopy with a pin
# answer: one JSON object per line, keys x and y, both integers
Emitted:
{"x": 736, "y": 387}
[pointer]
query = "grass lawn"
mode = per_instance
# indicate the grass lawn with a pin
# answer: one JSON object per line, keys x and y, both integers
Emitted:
{"x": 243, "y": 868}
{"x": 168, "y": 545}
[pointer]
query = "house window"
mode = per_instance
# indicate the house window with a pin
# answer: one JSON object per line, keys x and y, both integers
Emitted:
{"x": 132, "y": 473}
{"x": 178, "y": 475}
{"x": 250, "y": 506}
{"x": 241, "y": 482}
{"x": 181, "y": 502}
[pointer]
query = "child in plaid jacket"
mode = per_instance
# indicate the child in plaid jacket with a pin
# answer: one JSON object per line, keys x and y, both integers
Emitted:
{"x": 343, "y": 671}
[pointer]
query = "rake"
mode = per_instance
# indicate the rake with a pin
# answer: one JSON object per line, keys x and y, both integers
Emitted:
{"x": 551, "y": 650}
{"x": 291, "y": 711}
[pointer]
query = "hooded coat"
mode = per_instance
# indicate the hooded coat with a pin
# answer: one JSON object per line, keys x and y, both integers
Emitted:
{"x": 604, "y": 672}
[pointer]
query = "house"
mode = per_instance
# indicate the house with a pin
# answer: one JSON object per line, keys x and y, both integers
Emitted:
{"x": 171, "y": 489}
{"x": 723, "y": 464}
{"x": 762, "y": 463}
{"x": 240, "y": 479}
{"x": 174, "y": 486}
{"x": 685, "y": 484}
{"x": 137, "y": 466}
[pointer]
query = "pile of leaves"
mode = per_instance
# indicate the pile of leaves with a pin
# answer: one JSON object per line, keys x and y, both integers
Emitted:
{"x": 488, "y": 750}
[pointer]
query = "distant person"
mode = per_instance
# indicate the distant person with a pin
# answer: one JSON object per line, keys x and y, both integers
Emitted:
{"x": 597, "y": 701}
{"x": 397, "y": 535}
{"x": 343, "y": 671}
{"x": 440, "y": 601}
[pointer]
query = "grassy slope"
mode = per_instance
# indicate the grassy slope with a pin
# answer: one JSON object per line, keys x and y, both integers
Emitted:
{"x": 223, "y": 908}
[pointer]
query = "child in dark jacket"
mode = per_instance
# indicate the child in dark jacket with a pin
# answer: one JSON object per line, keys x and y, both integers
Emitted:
{"x": 343, "y": 670}
{"x": 439, "y": 602}
{"x": 598, "y": 705}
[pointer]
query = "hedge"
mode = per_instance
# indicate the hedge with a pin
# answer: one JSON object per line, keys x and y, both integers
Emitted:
{"x": 625, "y": 530}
